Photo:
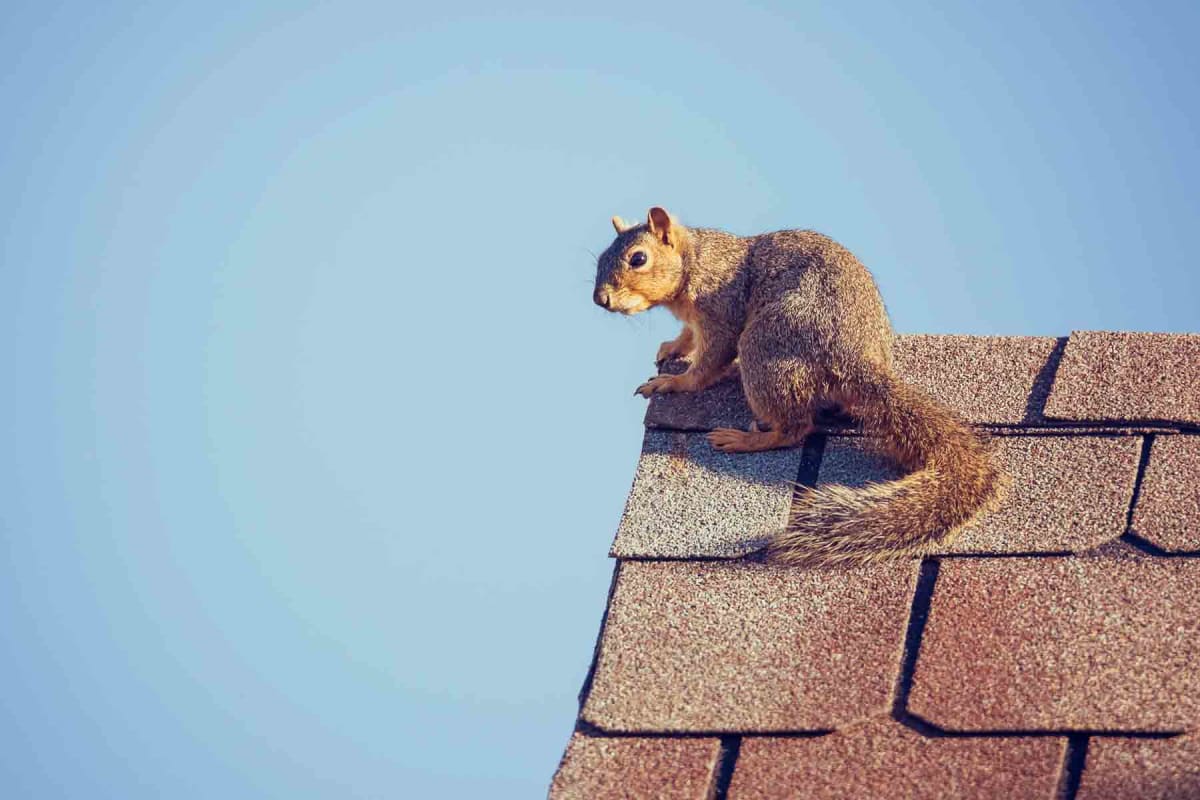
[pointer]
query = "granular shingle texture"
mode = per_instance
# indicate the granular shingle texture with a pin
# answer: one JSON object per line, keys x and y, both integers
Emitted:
{"x": 1048, "y": 652}
{"x": 1142, "y": 769}
{"x": 690, "y": 499}
{"x": 1128, "y": 376}
{"x": 1052, "y": 644}
{"x": 885, "y": 759}
{"x": 632, "y": 768}
{"x": 1168, "y": 508}
{"x": 721, "y": 405}
{"x": 712, "y": 646}
{"x": 996, "y": 379}
{"x": 1066, "y": 493}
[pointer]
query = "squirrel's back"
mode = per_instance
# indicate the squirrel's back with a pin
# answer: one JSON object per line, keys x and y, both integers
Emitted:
{"x": 819, "y": 296}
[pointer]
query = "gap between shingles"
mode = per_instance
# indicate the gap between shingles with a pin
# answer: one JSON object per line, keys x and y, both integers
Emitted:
{"x": 928, "y": 729}
{"x": 810, "y": 462}
{"x": 723, "y": 771}
{"x": 1130, "y": 536}
{"x": 910, "y": 720}
{"x": 760, "y": 556}
{"x": 1019, "y": 554}
{"x": 1149, "y": 548}
{"x": 1056, "y": 428}
{"x": 1074, "y": 759}
{"x": 592, "y": 729}
{"x": 918, "y": 616}
{"x": 754, "y": 555}
{"x": 1043, "y": 383}
{"x": 1143, "y": 460}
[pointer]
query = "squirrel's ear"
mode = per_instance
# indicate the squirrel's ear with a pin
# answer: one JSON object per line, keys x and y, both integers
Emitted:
{"x": 660, "y": 222}
{"x": 621, "y": 225}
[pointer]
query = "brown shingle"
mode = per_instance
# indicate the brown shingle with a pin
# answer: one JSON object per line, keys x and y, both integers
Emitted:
{"x": 1067, "y": 493}
{"x": 737, "y": 646}
{"x": 1141, "y": 769}
{"x": 1128, "y": 376}
{"x": 885, "y": 759}
{"x": 721, "y": 405}
{"x": 987, "y": 379}
{"x": 996, "y": 379}
{"x": 1092, "y": 643}
{"x": 1168, "y": 507}
{"x": 632, "y": 768}
{"x": 688, "y": 498}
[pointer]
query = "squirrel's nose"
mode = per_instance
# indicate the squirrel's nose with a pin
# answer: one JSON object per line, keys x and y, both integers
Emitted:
{"x": 601, "y": 297}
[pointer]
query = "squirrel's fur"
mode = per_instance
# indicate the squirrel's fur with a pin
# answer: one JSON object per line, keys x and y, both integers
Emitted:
{"x": 805, "y": 322}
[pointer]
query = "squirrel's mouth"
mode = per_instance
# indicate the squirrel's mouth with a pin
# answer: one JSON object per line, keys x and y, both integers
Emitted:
{"x": 630, "y": 304}
{"x": 621, "y": 301}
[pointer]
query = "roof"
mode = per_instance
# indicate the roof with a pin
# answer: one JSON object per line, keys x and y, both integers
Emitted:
{"x": 1053, "y": 650}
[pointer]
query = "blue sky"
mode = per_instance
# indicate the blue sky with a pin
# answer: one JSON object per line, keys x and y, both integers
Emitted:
{"x": 315, "y": 441}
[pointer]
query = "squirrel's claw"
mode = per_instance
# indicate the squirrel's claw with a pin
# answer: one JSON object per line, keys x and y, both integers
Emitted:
{"x": 659, "y": 383}
{"x": 727, "y": 440}
{"x": 665, "y": 383}
{"x": 731, "y": 440}
{"x": 646, "y": 389}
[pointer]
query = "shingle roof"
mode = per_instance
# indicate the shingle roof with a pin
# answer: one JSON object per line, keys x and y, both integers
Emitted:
{"x": 1053, "y": 651}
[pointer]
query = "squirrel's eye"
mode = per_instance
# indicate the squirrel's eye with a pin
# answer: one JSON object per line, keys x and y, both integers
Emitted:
{"x": 638, "y": 259}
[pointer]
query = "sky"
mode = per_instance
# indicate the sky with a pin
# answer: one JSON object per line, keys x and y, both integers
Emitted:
{"x": 314, "y": 442}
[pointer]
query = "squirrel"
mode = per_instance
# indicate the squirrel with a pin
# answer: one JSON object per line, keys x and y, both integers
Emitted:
{"x": 805, "y": 322}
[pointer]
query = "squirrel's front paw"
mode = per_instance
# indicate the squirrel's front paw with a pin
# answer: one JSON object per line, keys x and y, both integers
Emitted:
{"x": 664, "y": 383}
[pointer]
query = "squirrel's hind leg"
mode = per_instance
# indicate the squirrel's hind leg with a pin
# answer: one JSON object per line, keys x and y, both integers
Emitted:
{"x": 780, "y": 394}
{"x": 777, "y": 432}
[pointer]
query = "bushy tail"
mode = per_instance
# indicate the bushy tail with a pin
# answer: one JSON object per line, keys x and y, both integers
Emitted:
{"x": 951, "y": 478}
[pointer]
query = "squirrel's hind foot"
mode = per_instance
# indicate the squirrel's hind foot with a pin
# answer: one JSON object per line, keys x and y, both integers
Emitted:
{"x": 731, "y": 440}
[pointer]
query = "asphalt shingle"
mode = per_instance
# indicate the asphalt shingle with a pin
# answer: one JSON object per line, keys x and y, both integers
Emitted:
{"x": 1141, "y": 769}
{"x": 1168, "y": 508}
{"x": 1056, "y": 644}
{"x": 1129, "y": 377}
{"x": 688, "y": 498}
{"x": 742, "y": 646}
{"x": 1066, "y": 493}
{"x": 722, "y": 405}
{"x": 992, "y": 379}
{"x": 632, "y": 768}
{"x": 886, "y": 759}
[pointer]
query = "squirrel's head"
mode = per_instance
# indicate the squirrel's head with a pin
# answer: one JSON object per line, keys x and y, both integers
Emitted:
{"x": 643, "y": 266}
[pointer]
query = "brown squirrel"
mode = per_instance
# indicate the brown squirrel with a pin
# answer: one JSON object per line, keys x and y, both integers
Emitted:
{"x": 808, "y": 328}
